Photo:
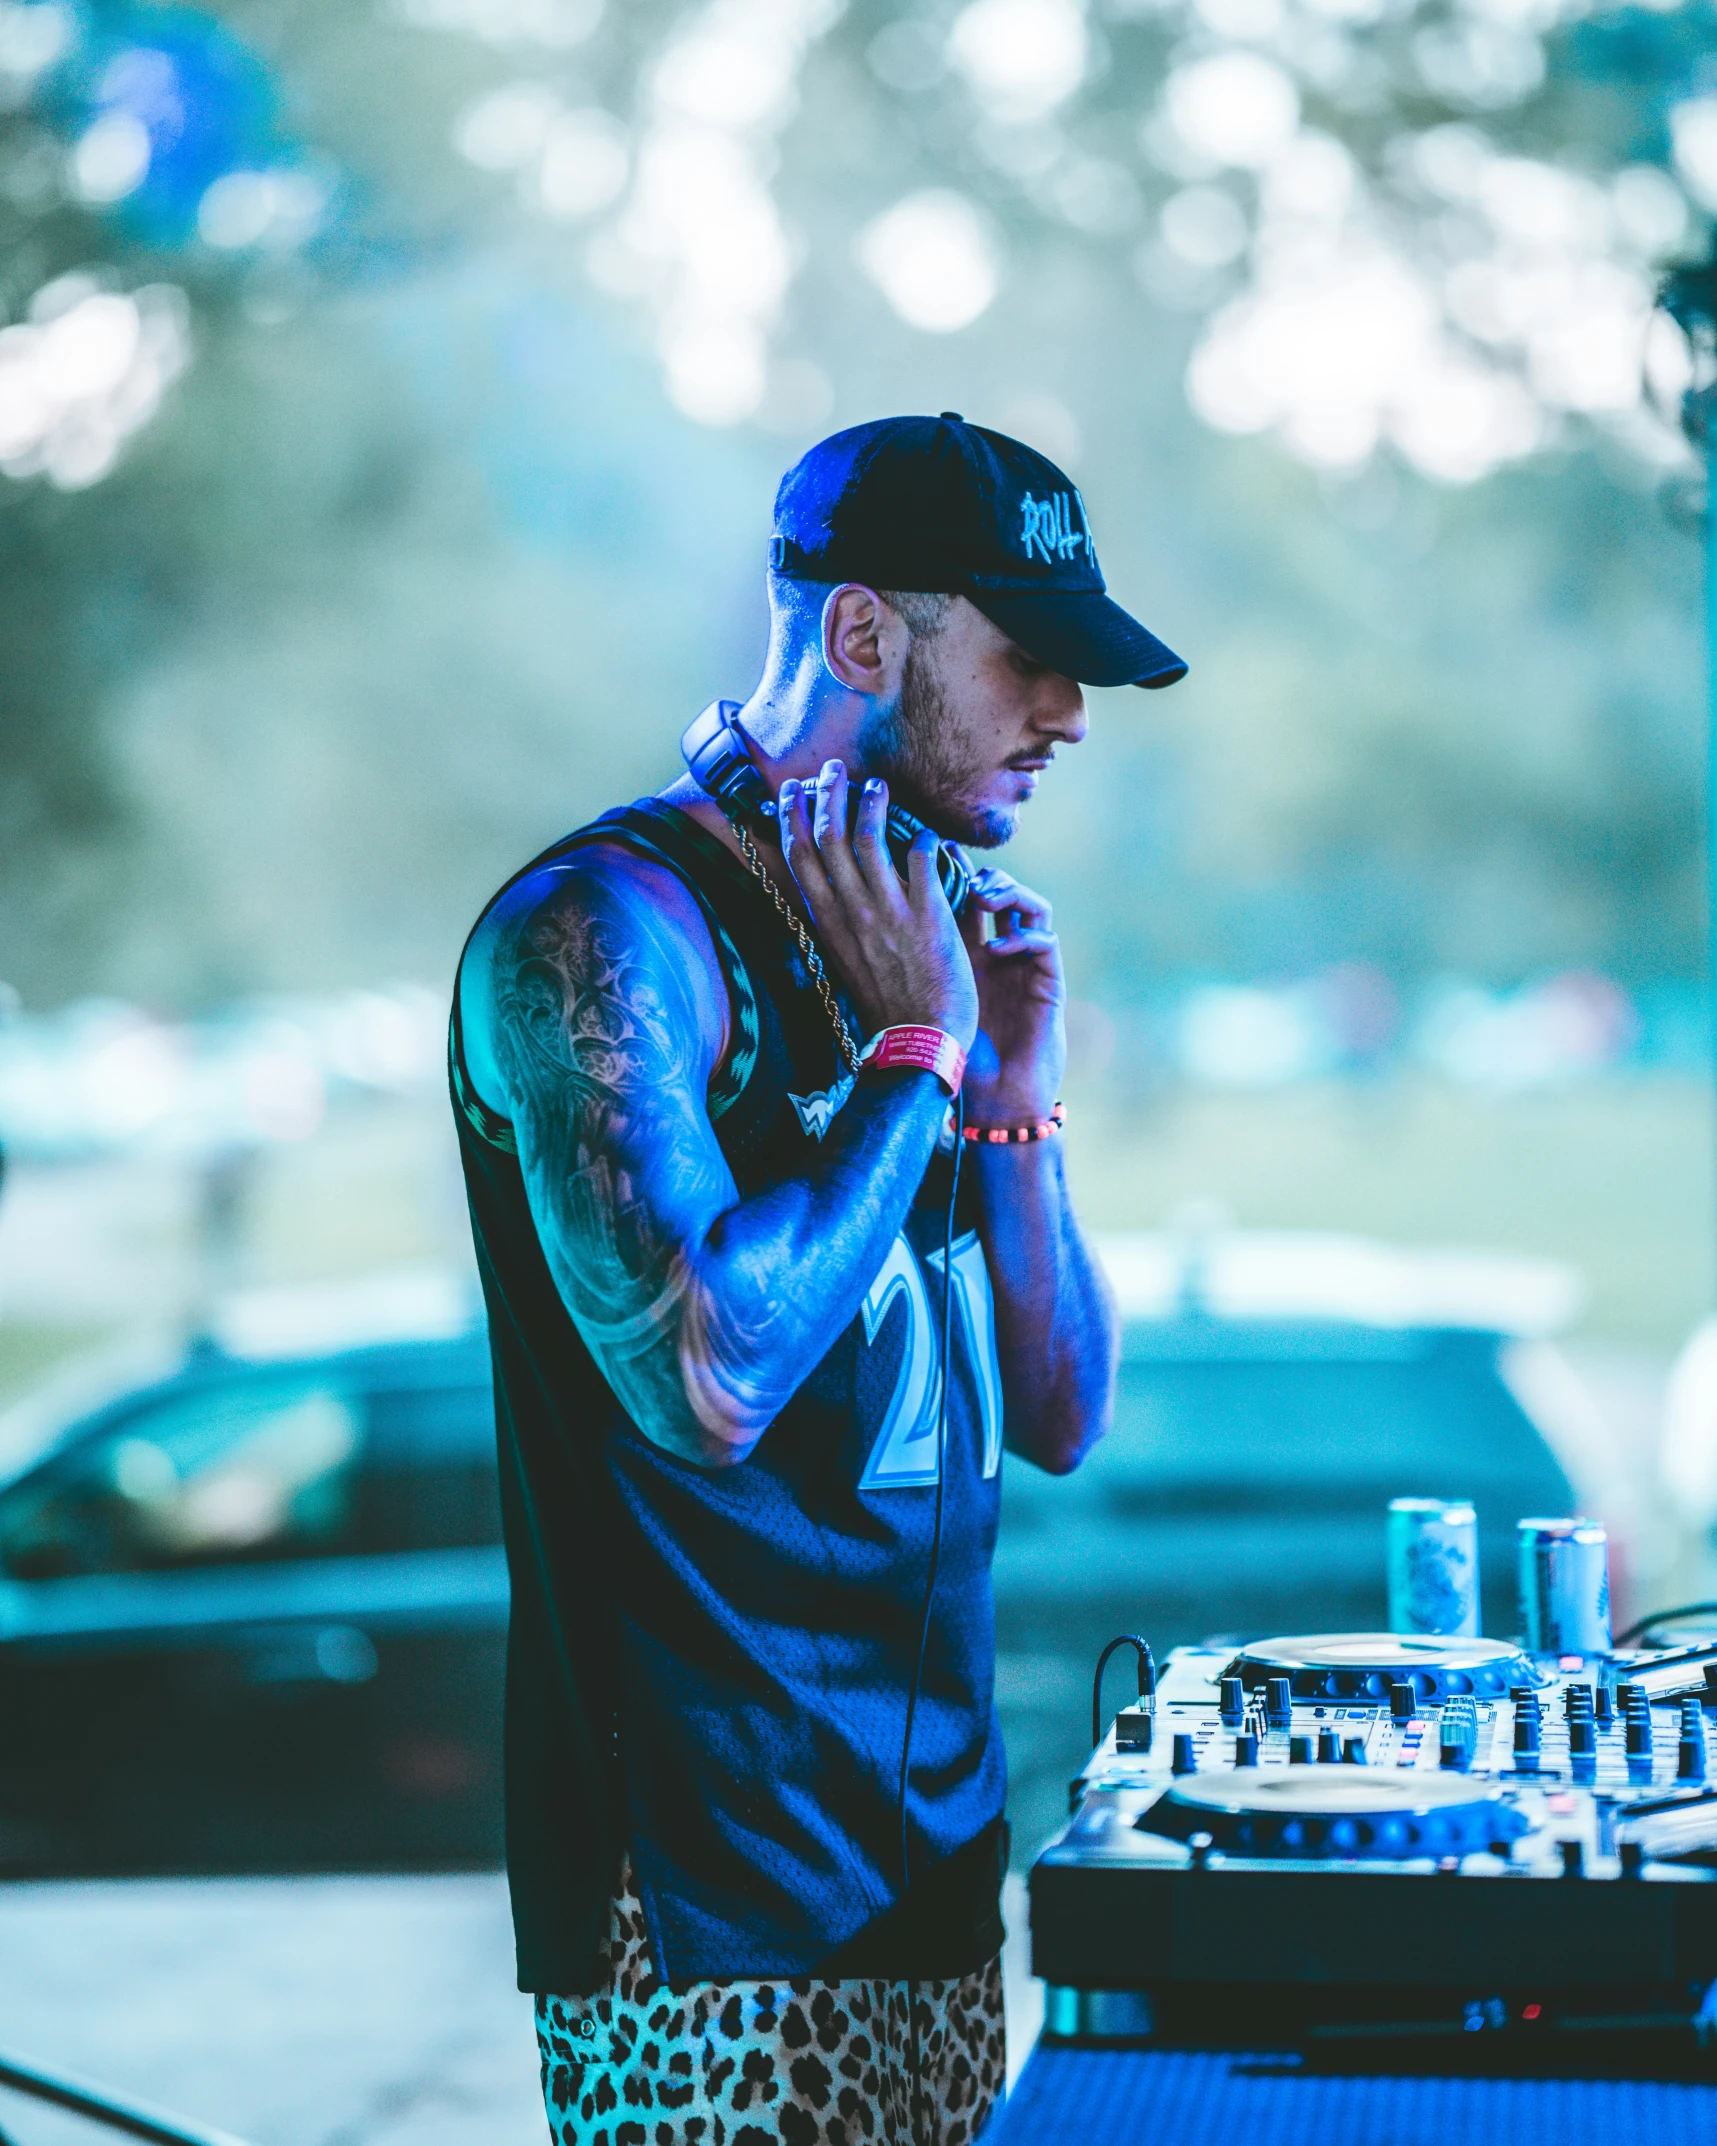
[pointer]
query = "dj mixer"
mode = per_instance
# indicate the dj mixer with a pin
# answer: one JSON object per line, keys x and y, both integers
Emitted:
{"x": 1350, "y": 1839}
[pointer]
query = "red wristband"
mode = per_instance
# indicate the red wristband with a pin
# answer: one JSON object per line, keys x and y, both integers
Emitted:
{"x": 925, "y": 1050}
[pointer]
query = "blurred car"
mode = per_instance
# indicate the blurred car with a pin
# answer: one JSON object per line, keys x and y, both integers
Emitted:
{"x": 253, "y": 1603}
{"x": 1275, "y": 1392}
{"x": 253, "y": 1608}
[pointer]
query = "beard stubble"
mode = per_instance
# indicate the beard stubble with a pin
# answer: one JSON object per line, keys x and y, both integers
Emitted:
{"x": 930, "y": 760}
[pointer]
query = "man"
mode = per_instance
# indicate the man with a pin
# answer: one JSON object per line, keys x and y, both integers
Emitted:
{"x": 762, "y": 1314}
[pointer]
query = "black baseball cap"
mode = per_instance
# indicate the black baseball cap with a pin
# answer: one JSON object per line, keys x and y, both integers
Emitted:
{"x": 934, "y": 503}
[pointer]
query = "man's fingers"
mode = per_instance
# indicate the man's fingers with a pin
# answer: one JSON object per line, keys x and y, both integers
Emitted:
{"x": 799, "y": 847}
{"x": 830, "y": 793}
{"x": 870, "y": 845}
{"x": 971, "y": 923}
{"x": 830, "y": 829}
{"x": 923, "y": 881}
{"x": 1025, "y": 942}
{"x": 998, "y": 892}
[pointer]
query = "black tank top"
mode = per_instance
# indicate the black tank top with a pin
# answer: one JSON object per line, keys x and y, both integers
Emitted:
{"x": 710, "y": 1667}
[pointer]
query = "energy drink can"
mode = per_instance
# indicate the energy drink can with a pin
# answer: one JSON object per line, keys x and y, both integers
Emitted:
{"x": 1433, "y": 1566}
{"x": 1564, "y": 1587}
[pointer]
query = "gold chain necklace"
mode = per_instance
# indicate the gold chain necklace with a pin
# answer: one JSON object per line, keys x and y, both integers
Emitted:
{"x": 807, "y": 945}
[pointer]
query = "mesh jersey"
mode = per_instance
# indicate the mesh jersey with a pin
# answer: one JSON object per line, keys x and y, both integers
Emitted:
{"x": 711, "y": 1666}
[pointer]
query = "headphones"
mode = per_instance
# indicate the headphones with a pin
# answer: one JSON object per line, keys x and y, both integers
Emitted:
{"x": 719, "y": 761}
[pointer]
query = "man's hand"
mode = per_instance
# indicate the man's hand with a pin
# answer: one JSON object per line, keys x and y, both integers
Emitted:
{"x": 893, "y": 944}
{"x": 1013, "y": 1074}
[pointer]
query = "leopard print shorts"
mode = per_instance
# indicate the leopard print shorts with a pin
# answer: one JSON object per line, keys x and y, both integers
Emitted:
{"x": 791, "y": 2063}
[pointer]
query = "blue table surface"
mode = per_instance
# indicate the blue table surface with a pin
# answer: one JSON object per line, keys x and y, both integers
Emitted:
{"x": 1103, "y": 2097}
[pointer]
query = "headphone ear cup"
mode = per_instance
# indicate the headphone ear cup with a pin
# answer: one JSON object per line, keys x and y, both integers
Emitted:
{"x": 903, "y": 829}
{"x": 955, "y": 874}
{"x": 718, "y": 762}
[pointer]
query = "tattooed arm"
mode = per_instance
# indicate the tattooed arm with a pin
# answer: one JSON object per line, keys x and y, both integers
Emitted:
{"x": 597, "y": 1010}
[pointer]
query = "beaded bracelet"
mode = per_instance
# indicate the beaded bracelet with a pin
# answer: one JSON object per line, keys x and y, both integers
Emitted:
{"x": 1008, "y": 1135}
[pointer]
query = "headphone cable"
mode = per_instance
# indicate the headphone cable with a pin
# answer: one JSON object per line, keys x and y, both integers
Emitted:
{"x": 958, "y": 1116}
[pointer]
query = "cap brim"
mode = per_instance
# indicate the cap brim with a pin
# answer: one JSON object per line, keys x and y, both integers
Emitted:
{"x": 1083, "y": 635}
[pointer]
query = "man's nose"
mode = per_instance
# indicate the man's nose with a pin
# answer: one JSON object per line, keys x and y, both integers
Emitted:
{"x": 1061, "y": 712}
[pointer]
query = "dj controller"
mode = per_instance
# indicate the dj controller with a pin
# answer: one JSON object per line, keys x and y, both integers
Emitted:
{"x": 1350, "y": 1841}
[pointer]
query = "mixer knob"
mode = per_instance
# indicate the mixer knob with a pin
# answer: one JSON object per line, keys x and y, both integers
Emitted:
{"x": 1246, "y": 1750}
{"x": 1278, "y": 1702}
{"x": 1604, "y": 1705}
{"x": 1632, "y": 1859}
{"x": 1582, "y": 1738}
{"x": 1573, "y": 1858}
{"x": 1329, "y": 1748}
{"x": 1232, "y": 1709}
{"x": 1299, "y": 1750}
{"x": 1402, "y": 1703}
{"x": 1525, "y": 1740}
{"x": 1183, "y": 1761}
{"x": 1354, "y": 1750}
{"x": 1638, "y": 1735}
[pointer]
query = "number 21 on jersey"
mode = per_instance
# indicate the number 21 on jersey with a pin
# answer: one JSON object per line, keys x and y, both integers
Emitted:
{"x": 905, "y": 1453}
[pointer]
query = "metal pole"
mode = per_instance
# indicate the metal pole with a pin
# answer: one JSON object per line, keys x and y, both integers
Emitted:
{"x": 117, "y": 2111}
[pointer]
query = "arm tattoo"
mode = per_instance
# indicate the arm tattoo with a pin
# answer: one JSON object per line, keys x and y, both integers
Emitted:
{"x": 692, "y": 1303}
{"x": 599, "y": 1041}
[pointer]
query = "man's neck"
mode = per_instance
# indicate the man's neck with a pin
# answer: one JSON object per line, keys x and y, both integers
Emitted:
{"x": 792, "y": 737}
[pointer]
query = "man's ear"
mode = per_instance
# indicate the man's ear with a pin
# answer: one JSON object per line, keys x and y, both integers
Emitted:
{"x": 864, "y": 642}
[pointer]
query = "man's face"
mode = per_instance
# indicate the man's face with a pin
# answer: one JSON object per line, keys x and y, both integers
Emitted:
{"x": 975, "y": 723}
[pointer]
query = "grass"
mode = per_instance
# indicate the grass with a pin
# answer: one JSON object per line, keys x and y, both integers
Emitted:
{"x": 29, "y": 1352}
{"x": 1617, "y": 1178}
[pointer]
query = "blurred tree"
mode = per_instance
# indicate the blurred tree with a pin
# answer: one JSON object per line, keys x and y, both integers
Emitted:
{"x": 491, "y": 321}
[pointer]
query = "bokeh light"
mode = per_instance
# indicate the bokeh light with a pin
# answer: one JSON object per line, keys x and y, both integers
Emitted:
{"x": 557, "y": 24}
{"x": 570, "y": 163}
{"x": 1462, "y": 350}
{"x": 1693, "y": 130}
{"x": 33, "y": 35}
{"x": 1299, "y": 173}
{"x": 1021, "y": 58}
{"x": 83, "y": 372}
{"x": 934, "y": 259}
{"x": 698, "y": 234}
{"x": 1236, "y": 109}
